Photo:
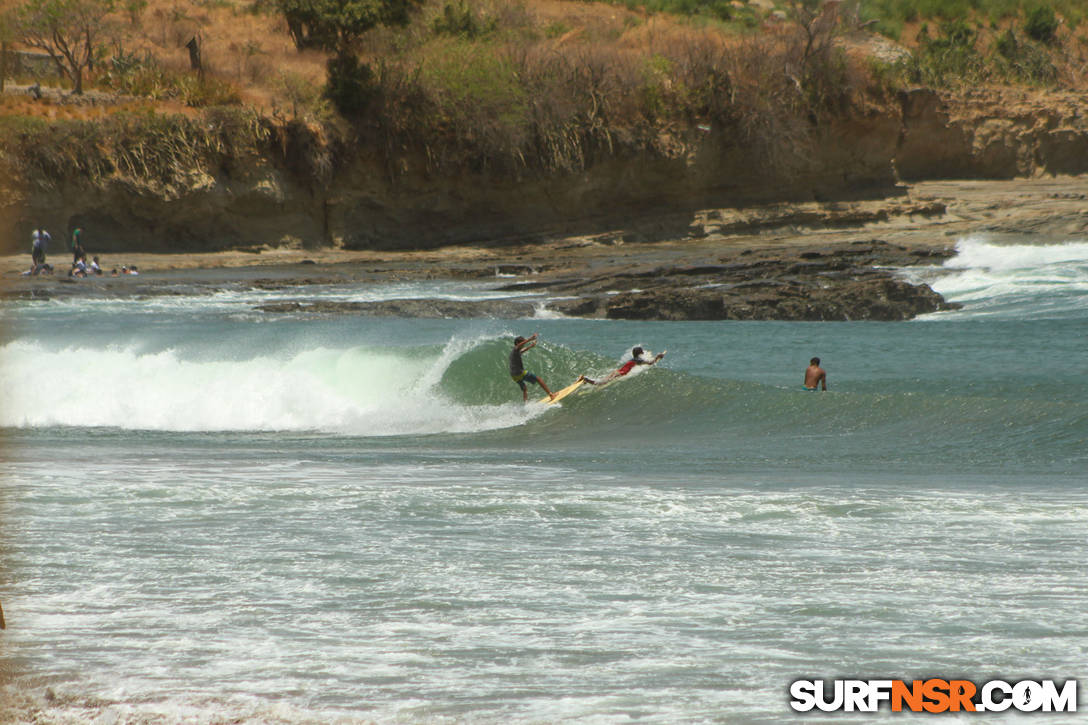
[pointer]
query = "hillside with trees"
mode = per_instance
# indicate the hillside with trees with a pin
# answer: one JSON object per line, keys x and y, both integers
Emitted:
{"x": 354, "y": 118}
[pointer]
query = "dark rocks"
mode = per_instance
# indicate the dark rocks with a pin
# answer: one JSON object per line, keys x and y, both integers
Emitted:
{"x": 713, "y": 281}
{"x": 839, "y": 282}
{"x": 845, "y": 281}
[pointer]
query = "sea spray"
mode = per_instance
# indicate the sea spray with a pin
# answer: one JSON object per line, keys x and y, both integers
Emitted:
{"x": 355, "y": 391}
{"x": 1012, "y": 280}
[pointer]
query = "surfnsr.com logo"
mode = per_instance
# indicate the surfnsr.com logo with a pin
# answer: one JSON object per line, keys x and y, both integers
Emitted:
{"x": 933, "y": 695}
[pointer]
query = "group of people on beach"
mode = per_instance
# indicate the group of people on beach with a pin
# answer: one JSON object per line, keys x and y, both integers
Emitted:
{"x": 39, "y": 244}
{"x": 815, "y": 376}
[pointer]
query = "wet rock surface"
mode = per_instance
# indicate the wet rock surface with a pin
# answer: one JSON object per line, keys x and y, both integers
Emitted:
{"x": 811, "y": 261}
{"x": 855, "y": 280}
{"x": 852, "y": 281}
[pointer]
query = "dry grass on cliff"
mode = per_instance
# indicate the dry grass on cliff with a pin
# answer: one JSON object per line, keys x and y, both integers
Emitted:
{"x": 160, "y": 154}
{"x": 558, "y": 86}
{"x": 511, "y": 86}
{"x": 247, "y": 58}
{"x": 249, "y": 50}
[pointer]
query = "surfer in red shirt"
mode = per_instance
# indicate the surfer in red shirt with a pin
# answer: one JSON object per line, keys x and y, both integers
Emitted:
{"x": 636, "y": 359}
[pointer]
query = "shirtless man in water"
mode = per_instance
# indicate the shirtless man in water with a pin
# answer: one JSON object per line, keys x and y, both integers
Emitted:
{"x": 815, "y": 375}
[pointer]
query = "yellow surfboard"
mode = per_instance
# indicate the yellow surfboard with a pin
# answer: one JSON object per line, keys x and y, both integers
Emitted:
{"x": 560, "y": 394}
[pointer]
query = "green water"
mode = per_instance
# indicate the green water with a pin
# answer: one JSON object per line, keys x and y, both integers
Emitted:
{"x": 215, "y": 514}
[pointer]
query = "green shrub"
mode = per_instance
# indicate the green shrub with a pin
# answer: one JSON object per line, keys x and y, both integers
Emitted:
{"x": 1023, "y": 60}
{"x": 202, "y": 92}
{"x": 950, "y": 57}
{"x": 306, "y": 99}
{"x": 139, "y": 75}
{"x": 556, "y": 29}
{"x": 1041, "y": 24}
{"x": 720, "y": 9}
{"x": 1006, "y": 45}
{"x": 656, "y": 86}
{"x": 350, "y": 85}
{"x": 462, "y": 21}
{"x": 143, "y": 76}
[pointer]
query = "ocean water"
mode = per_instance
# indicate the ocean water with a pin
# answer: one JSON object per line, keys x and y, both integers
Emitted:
{"x": 212, "y": 514}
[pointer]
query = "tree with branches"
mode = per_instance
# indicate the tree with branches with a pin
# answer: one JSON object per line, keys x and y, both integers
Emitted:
{"x": 817, "y": 64}
{"x": 336, "y": 26}
{"x": 68, "y": 30}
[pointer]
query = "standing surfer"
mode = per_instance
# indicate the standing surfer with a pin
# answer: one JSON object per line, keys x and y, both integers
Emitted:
{"x": 517, "y": 367}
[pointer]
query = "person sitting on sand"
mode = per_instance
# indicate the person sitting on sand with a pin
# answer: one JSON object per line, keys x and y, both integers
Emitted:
{"x": 79, "y": 269}
{"x": 517, "y": 368}
{"x": 815, "y": 375}
{"x": 43, "y": 268}
{"x": 635, "y": 361}
{"x": 95, "y": 268}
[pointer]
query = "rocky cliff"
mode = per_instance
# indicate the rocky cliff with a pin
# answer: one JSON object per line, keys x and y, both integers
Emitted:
{"x": 297, "y": 190}
{"x": 992, "y": 134}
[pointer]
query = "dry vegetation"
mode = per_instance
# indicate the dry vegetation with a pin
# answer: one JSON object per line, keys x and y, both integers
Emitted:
{"x": 491, "y": 84}
{"x": 247, "y": 58}
{"x": 558, "y": 85}
{"x": 517, "y": 86}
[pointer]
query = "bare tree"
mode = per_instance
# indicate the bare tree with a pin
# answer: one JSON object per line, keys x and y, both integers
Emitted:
{"x": 7, "y": 22}
{"x": 817, "y": 22}
{"x": 68, "y": 30}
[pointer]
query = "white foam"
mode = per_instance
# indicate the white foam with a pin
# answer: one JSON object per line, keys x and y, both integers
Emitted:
{"x": 1018, "y": 279}
{"x": 354, "y": 391}
{"x": 240, "y": 298}
{"x": 979, "y": 253}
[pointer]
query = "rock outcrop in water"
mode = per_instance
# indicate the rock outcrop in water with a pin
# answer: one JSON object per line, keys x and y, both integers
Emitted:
{"x": 836, "y": 282}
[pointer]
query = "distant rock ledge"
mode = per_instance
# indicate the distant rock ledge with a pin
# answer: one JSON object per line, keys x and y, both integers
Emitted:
{"x": 842, "y": 282}
{"x": 852, "y": 281}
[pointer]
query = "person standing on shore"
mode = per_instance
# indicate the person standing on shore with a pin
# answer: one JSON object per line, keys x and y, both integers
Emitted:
{"x": 517, "y": 367}
{"x": 78, "y": 252}
{"x": 815, "y": 375}
{"x": 39, "y": 244}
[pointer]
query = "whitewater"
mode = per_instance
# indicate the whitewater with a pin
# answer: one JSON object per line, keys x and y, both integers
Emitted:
{"x": 211, "y": 514}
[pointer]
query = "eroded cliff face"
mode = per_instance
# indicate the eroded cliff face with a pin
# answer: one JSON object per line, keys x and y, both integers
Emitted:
{"x": 253, "y": 206}
{"x": 992, "y": 134}
{"x": 364, "y": 203}
{"x": 644, "y": 197}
